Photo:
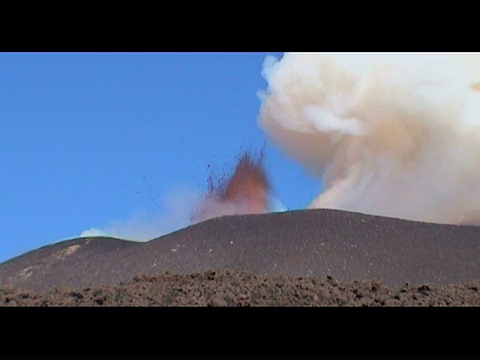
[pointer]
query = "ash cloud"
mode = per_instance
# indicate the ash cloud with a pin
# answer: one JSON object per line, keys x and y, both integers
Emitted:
{"x": 245, "y": 190}
{"x": 388, "y": 134}
{"x": 146, "y": 225}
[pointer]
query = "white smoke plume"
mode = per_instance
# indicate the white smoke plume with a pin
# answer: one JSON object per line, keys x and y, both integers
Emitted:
{"x": 146, "y": 225}
{"x": 388, "y": 134}
{"x": 178, "y": 207}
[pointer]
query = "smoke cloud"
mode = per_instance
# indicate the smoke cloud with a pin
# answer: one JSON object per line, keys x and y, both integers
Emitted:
{"x": 388, "y": 134}
{"x": 146, "y": 225}
{"x": 245, "y": 191}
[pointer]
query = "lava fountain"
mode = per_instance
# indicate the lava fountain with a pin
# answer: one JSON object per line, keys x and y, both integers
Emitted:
{"x": 246, "y": 191}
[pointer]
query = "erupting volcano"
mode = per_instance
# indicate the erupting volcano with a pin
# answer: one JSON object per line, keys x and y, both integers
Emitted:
{"x": 246, "y": 191}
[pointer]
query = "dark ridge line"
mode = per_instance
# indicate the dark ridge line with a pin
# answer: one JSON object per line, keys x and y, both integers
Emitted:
{"x": 241, "y": 216}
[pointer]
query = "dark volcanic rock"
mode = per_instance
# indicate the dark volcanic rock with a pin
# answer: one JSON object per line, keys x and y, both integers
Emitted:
{"x": 227, "y": 288}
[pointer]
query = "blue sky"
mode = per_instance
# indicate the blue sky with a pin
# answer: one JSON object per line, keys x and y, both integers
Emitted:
{"x": 87, "y": 139}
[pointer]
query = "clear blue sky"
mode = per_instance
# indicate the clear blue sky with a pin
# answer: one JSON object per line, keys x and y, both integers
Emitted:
{"x": 89, "y": 138}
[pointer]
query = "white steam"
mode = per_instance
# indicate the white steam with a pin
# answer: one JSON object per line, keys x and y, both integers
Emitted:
{"x": 147, "y": 225}
{"x": 389, "y": 134}
{"x": 177, "y": 213}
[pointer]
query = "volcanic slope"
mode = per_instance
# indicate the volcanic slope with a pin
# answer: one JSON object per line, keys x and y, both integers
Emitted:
{"x": 305, "y": 243}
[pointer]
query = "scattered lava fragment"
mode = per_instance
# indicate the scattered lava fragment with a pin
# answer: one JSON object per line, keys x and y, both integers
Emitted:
{"x": 243, "y": 192}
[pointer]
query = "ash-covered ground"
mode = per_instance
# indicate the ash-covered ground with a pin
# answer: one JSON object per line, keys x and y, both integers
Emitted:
{"x": 226, "y": 288}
